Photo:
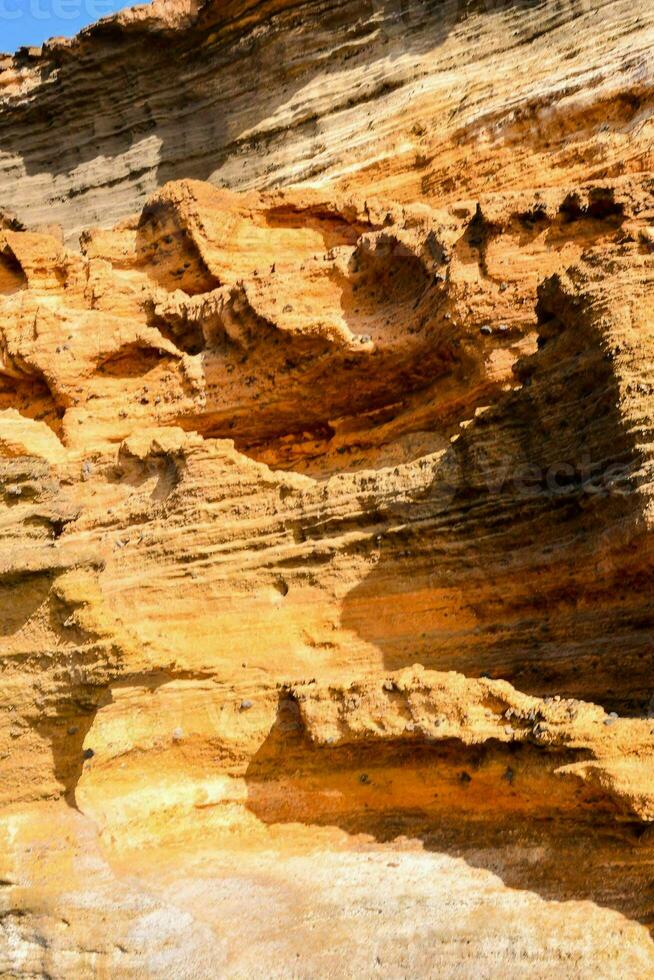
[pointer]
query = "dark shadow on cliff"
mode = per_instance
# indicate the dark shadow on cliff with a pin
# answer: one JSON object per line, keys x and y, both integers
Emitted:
{"x": 481, "y": 803}
{"x": 20, "y": 599}
{"x": 525, "y": 556}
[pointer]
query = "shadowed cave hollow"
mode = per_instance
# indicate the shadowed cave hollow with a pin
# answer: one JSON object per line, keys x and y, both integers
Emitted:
{"x": 541, "y": 581}
{"x": 31, "y": 396}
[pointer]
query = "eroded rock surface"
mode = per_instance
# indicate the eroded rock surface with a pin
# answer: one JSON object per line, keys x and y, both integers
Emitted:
{"x": 326, "y": 571}
{"x": 411, "y": 99}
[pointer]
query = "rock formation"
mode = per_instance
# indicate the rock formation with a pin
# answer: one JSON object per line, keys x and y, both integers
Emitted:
{"x": 326, "y": 492}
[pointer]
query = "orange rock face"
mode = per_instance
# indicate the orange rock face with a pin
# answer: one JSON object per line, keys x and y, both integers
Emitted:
{"x": 326, "y": 494}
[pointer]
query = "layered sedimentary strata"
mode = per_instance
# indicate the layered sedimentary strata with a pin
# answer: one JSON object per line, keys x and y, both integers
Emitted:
{"x": 412, "y": 99}
{"x": 259, "y": 441}
{"x": 326, "y": 566}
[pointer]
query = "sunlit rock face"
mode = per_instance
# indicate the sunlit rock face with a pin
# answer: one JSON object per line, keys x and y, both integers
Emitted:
{"x": 326, "y": 346}
{"x": 412, "y": 100}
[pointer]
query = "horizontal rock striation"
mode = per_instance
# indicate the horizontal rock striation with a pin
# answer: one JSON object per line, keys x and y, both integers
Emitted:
{"x": 412, "y": 99}
{"x": 326, "y": 493}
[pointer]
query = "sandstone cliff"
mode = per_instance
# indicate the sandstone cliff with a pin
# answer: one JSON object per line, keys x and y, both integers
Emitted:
{"x": 432, "y": 100}
{"x": 326, "y": 492}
